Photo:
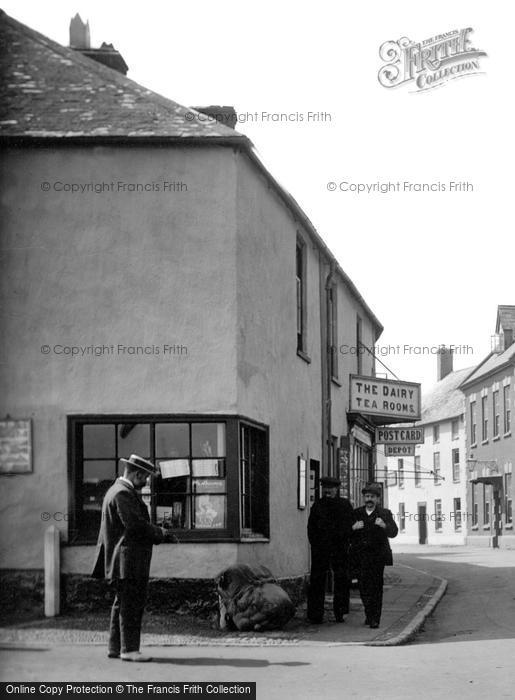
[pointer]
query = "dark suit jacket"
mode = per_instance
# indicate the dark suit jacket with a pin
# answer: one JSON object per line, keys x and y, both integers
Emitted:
{"x": 329, "y": 524}
{"x": 124, "y": 547}
{"x": 371, "y": 542}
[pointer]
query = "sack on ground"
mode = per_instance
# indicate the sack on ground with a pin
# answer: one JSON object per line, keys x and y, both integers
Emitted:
{"x": 251, "y": 599}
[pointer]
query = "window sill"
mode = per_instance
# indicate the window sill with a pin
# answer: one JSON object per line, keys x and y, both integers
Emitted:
{"x": 304, "y": 356}
{"x": 475, "y": 527}
{"x": 474, "y": 445}
{"x": 336, "y": 381}
{"x": 484, "y": 442}
{"x": 507, "y": 434}
{"x": 495, "y": 438}
{"x": 251, "y": 540}
{"x": 486, "y": 527}
{"x": 508, "y": 526}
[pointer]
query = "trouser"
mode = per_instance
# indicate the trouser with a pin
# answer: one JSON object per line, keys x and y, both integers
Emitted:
{"x": 370, "y": 579}
{"x": 321, "y": 562}
{"x": 126, "y": 615}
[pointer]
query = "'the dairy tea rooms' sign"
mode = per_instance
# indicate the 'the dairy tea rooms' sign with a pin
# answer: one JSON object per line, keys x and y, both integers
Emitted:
{"x": 384, "y": 398}
{"x": 400, "y": 436}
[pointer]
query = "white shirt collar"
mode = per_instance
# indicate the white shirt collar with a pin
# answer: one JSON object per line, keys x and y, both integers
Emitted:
{"x": 126, "y": 481}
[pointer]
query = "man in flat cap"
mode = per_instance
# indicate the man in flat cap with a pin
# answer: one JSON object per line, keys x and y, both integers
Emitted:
{"x": 329, "y": 529}
{"x": 124, "y": 551}
{"x": 371, "y": 550}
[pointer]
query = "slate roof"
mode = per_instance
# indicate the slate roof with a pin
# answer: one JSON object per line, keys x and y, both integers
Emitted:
{"x": 490, "y": 364}
{"x": 49, "y": 90}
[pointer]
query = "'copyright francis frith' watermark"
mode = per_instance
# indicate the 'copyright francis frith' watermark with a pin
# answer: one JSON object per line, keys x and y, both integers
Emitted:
{"x": 118, "y": 187}
{"x": 430, "y": 63}
{"x": 406, "y": 349}
{"x": 115, "y": 350}
{"x": 262, "y": 117}
{"x": 389, "y": 186}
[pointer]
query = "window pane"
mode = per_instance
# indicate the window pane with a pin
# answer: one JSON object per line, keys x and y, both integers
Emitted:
{"x": 208, "y": 467}
{"x": 172, "y": 440}
{"x": 134, "y": 438}
{"x": 172, "y": 468}
{"x": 174, "y": 510}
{"x": 208, "y": 439}
{"x": 209, "y": 511}
{"x": 99, "y": 441}
{"x": 98, "y": 477}
{"x": 208, "y": 485}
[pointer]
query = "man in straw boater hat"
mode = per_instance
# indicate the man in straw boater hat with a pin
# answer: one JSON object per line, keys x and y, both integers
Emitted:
{"x": 124, "y": 551}
{"x": 371, "y": 550}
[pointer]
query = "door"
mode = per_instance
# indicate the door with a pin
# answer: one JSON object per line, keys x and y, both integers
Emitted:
{"x": 422, "y": 523}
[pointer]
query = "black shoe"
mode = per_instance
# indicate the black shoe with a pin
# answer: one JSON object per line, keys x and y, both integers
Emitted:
{"x": 374, "y": 625}
{"x": 113, "y": 655}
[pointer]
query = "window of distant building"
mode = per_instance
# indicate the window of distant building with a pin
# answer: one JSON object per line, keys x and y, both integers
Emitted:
{"x": 402, "y": 517}
{"x": 213, "y": 483}
{"x": 473, "y": 424}
{"x": 301, "y": 295}
{"x": 486, "y": 506}
{"x": 418, "y": 475}
{"x": 507, "y": 410}
{"x": 436, "y": 433}
{"x": 475, "y": 506}
{"x": 508, "y": 500}
{"x": 333, "y": 330}
{"x": 496, "y": 414}
{"x": 455, "y": 428}
{"x": 436, "y": 468}
{"x": 484, "y": 418}
{"x": 400, "y": 465}
{"x": 457, "y": 514}
{"x": 438, "y": 515}
{"x": 359, "y": 347}
{"x": 456, "y": 465}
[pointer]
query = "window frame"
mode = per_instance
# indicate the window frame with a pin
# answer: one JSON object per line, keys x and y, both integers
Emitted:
{"x": 484, "y": 418}
{"x": 508, "y": 499}
{"x": 400, "y": 469}
{"x": 300, "y": 293}
{"x": 456, "y": 476}
{"x": 418, "y": 470}
{"x": 437, "y": 470}
{"x": 232, "y": 531}
{"x": 473, "y": 423}
{"x": 438, "y": 515}
{"x": 436, "y": 433}
{"x": 507, "y": 409}
{"x": 402, "y": 517}
{"x": 496, "y": 423}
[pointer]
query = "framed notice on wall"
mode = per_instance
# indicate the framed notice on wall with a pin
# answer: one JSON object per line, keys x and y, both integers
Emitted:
{"x": 16, "y": 446}
{"x": 302, "y": 483}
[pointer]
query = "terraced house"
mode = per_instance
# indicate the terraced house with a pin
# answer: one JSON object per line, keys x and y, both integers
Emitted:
{"x": 490, "y": 401}
{"x": 193, "y": 318}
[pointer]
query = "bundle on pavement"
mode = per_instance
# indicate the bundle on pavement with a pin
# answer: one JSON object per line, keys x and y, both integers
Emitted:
{"x": 251, "y": 599}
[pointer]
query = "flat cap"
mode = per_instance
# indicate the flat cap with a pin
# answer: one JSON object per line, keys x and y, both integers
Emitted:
{"x": 372, "y": 488}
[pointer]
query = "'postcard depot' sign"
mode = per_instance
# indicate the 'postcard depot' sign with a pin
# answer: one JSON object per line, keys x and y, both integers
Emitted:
{"x": 384, "y": 398}
{"x": 399, "y": 450}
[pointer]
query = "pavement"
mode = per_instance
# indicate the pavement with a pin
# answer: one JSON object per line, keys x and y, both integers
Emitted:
{"x": 410, "y": 596}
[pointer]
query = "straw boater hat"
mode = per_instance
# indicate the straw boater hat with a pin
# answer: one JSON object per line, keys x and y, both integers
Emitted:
{"x": 140, "y": 463}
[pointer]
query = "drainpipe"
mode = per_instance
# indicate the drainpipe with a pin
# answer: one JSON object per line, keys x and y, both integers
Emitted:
{"x": 328, "y": 362}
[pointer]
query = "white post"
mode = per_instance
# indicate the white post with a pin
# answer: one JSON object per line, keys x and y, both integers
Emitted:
{"x": 52, "y": 572}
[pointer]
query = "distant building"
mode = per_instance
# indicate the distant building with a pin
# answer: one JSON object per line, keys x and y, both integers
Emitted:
{"x": 489, "y": 408}
{"x": 427, "y": 491}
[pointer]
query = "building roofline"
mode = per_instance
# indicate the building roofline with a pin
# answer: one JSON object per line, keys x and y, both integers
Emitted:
{"x": 495, "y": 370}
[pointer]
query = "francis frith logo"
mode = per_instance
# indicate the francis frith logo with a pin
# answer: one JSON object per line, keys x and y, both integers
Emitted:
{"x": 430, "y": 63}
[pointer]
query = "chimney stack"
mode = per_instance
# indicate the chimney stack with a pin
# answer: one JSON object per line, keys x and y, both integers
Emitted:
{"x": 444, "y": 363}
{"x": 79, "y": 33}
{"x": 106, "y": 54}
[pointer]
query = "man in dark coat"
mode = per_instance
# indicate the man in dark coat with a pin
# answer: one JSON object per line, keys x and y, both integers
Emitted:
{"x": 329, "y": 529}
{"x": 124, "y": 551}
{"x": 371, "y": 551}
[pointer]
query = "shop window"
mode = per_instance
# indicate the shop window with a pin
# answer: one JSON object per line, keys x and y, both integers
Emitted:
{"x": 198, "y": 461}
{"x": 486, "y": 506}
{"x": 475, "y": 506}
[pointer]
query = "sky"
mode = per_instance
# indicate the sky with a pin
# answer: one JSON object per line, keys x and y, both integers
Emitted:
{"x": 433, "y": 266}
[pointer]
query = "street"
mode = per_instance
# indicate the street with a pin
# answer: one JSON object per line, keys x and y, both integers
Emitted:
{"x": 466, "y": 649}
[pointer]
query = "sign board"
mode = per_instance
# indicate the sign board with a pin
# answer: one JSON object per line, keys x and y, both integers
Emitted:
{"x": 385, "y": 398}
{"x": 343, "y": 455}
{"x": 15, "y": 446}
{"x": 399, "y": 450}
{"x": 399, "y": 436}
